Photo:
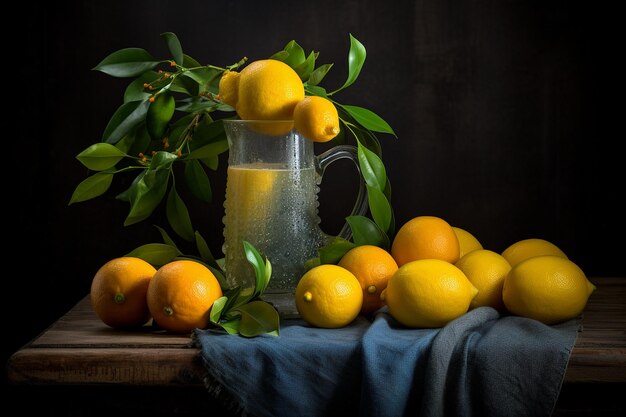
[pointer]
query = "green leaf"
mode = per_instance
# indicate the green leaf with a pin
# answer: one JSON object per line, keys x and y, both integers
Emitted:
{"x": 231, "y": 326}
{"x": 258, "y": 317}
{"x": 100, "y": 156}
{"x": 280, "y": 56}
{"x": 256, "y": 260}
{"x": 126, "y": 118}
{"x": 368, "y": 119}
{"x": 211, "y": 162}
{"x": 184, "y": 85}
{"x": 233, "y": 296}
{"x": 146, "y": 194}
{"x": 207, "y": 131}
{"x": 178, "y": 216}
{"x": 166, "y": 237}
{"x": 372, "y": 168}
{"x": 318, "y": 74}
{"x": 197, "y": 180}
{"x": 129, "y": 62}
{"x": 159, "y": 114}
{"x": 156, "y": 254}
{"x": 136, "y": 91}
{"x": 162, "y": 160}
{"x": 366, "y": 232}
{"x": 202, "y": 75}
{"x": 125, "y": 195}
{"x": 296, "y": 54}
{"x": 205, "y": 251}
{"x": 305, "y": 68}
{"x": 356, "y": 59}
{"x": 189, "y": 62}
{"x": 334, "y": 251}
{"x": 92, "y": 187}
{"x": 194, "y": 104}
{"x": 217, "y": 308}
{"x": 316, "y": 90}
{"x": 210, "y": 150}
{"x": 173, "y": 45}
{"x": 379, "y": 207}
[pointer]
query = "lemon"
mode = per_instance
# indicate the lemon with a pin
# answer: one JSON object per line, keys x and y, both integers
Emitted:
{"x": 428, "y": 293}
{"x": 547, "y": 288}
{"x": 486, "y": 270}
{"x": 316, "y": 118}
{"x": 229, "y": 88}
{"x": 527, "y": 248}
{"x": 467, "y": 241}
{"x": 267, "y": 90}
{"x": 328, "y": 296}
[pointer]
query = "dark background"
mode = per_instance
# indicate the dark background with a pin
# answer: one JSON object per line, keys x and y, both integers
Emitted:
{"x": 504, "y": 110}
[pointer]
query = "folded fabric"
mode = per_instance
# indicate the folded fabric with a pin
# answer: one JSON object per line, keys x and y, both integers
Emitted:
{"x": 480, "y": 364}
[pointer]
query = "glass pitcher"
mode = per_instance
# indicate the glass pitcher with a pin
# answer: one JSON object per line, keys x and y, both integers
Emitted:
{"x": 271, "y": 200}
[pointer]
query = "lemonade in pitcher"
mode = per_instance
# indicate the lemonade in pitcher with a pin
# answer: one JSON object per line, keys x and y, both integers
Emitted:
{"x": 275, "y": 209}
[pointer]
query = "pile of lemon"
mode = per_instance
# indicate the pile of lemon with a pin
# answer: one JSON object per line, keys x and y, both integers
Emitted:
{"x": 436, "y": 272}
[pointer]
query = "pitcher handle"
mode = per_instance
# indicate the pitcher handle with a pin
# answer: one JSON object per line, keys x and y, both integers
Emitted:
{"x": 345, "y": 152}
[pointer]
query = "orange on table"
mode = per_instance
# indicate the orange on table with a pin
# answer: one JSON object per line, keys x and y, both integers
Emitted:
{"x": 373, "y": 267}
{"x": 425, "y": 237}
{"x": 181, "y": 294}
{"x": 118, "y": 292}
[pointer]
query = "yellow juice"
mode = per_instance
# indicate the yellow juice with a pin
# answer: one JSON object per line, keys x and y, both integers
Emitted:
{"x": 275, "y": 209}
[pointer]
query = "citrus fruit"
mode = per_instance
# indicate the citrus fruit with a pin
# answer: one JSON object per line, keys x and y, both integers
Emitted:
{"x": 118, "y": 292}
{"x": 486, "y": 270}
{"x": 425, "y": 237}
{"x": 527, "y": 248}
{"x": 181, "y": 294}
{"x": 316, "y": 118}
{"x": 373, "y": 267}
{"x": 547, "y": 288}
{"x": 229, "y": 88}
{"x": 328, "y": 296}
{"x": 467, "y": 241}
{"x": 428, "y": 293}
{"x": 264, "y": 90}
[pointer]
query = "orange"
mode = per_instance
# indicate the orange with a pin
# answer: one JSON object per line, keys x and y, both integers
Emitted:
{"x": 118, "y": 292}
{"x": 528, "y": 248}
{"x": 316, "y": 118}
{"x": 181, "y": 294}
{"x": 425, "y": 237}
{"x": 373, "y": 267}
{"x": 328, "y": 296}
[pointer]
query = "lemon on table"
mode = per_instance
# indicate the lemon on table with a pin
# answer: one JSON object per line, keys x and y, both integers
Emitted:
{"x": 328, "y": 296}
{"x": 181, "y": 294}
{"x": 428, "y": 293}
{"x": 316, "y": 118}
{"x": 527, "y": 248}
{"x": 118, "y": 292}
{"x": 467, "y": 241}
{"x": 373, "y": 267}
{"x": 486, "y": 270}
{"x": 547, "y": 288}
{"x": 425, "y": 237}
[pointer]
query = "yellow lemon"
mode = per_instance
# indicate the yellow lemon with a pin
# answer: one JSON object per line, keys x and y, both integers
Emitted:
{"x": 467, "y": 241}
{"x": 316, "y": 118}
{"x": 428, "y": 293}
{"x": 229, "y": 88}
{"x": 425, "y": 237}
{"x": 547, "y": 288}
{"x": 268, "y": 90}
{"x": 373, "y": 267}
{"x": 486, "y": 270}
{"x": 527, "y": 248}
{"x": 329, "y": 296}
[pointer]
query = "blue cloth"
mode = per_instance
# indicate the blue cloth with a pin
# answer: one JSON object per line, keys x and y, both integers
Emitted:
{"x": 480, "y": 364}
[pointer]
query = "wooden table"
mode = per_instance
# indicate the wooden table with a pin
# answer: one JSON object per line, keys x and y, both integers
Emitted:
{"x": 79, "y": 349}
